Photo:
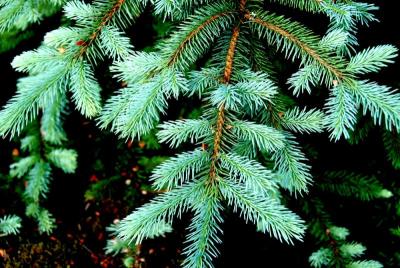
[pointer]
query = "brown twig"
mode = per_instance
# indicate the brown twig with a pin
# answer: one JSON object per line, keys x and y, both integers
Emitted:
{"x": 221, "y": 111}
{"x": 191, "y": 35}
{"x": 104, "y": 21}
{"x": 337, "y": 73}
{"x": 220, "y": 126}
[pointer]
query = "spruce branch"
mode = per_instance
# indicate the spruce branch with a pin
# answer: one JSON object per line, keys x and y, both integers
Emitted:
{"x": 182, "y": 49}
{"x": 204, "y": 231}
{"x": 220, "y": 121}
{"x": 178, "y": 170}
{"x": 269, "y": 216}
{"x": 293, "y": 173}
{"x": 252, "y": 174}
{"x": 295, "y": 40}
{"x": 9, "y": 224}
{"x": 303, "y": 121}
{"x": 177, "y": 132}
{"x": 145, "y": 221}
{"x": 391, "y": 141}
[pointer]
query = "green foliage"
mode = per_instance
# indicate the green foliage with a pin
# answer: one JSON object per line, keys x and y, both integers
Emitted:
{"x": 303, "y": 121}
{"x": 341, "y": 253}
{"x": 9, "y": 225}
{"x": 65, "y": 61}
{"x": 216, "y": 52}
{"x": 36, "y": 169}
{"x": 353, "y": 185}
{"x": 392, "y": 145}
{"x": 19, "y": 14}
{"x": 16, "y": 16}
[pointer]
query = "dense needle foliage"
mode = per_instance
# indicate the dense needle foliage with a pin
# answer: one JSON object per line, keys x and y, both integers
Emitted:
{"x": 240, "y": 151}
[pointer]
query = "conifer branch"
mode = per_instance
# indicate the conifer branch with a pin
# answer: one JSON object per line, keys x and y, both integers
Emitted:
{"x": 174, "y": 57}
{"x": 103, "y": 22}
{"x": 221, "y": 110}
{"x": 340, "y": 75}
{"x": 9, "y": 224}
{"x": 238, "y": 86}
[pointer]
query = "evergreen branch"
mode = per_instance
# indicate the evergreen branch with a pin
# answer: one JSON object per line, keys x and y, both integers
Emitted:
{"x": 312, "y": 75}
{"x": 320, "y": 258}
{"x": 351, "y": 250}
{"x": 20, "y": 168}
{"x": 254, "y": 94}
{"x": 19, "y": 14}
{"x": 365, "y": 264}
{"x": 340, "y": 253}
{"x": 177, "y": 132}
{"x": 309, "y": 5}
{"x": 266, "y": 213}
{"x": 383, "y": 105}
{"x": 38, "y": 61}
{"x": 31, "y": 143}
{"x": 113, "y": 43}
{"x": 64, "y": 159}
{"x": 304, "y": 79}
{"x": 51, "y": 121}
{"x": 38, "y": 169}
{"x": 33, "y": 92}
{"x": 303, "y": 121}
{"x": 145, "y": 221}
{"x": 296, "y": 41}
{"x": 46, "y": 221}
{"x": 341, "y": 113}
{"x": 344, "y": 17}
{"x": 220, "y": 122}
{"x": 180, "y": 169}
{"x": 252, "y": 174}
{"x": 205, "y": 79}
{"x": 354, "y": 185}
{"x": 143, "y": 111}
{"x": 196, "y": 33}
{"x": 261, "y": 136}
{"x": 9, "y": 225}
{"x": 137, "y": 67}
{"x": 391, "y": 141}
{"x": 103, "y": 22}
{"x": 38, "y": 181}
{"x": 217, "y": 142}
{"x": 85, "y": 89}
{"x": 63, "y": 39}
{"x": 251, "y": 95}
{"x": 204, "y": 231}
{"x": 293, "y": 173}
{"x": 115, "y": 108}
{"x": 372, "y": 59}
{"x": 334, "y": 39}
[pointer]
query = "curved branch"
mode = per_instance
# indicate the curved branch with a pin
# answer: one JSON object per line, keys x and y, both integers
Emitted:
{"x": 303, "y": 46}
{"x": 192, "y": 34}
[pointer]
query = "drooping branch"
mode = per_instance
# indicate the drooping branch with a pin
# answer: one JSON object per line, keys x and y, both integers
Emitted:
{"x": 174, "y": 57}
{"x": 340, "y": 76}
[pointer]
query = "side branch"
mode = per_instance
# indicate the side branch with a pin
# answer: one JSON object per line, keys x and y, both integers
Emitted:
{"x": 192, "y": 34}
{"x": 104, "y": 21}
{"x": 303, "y": 46}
